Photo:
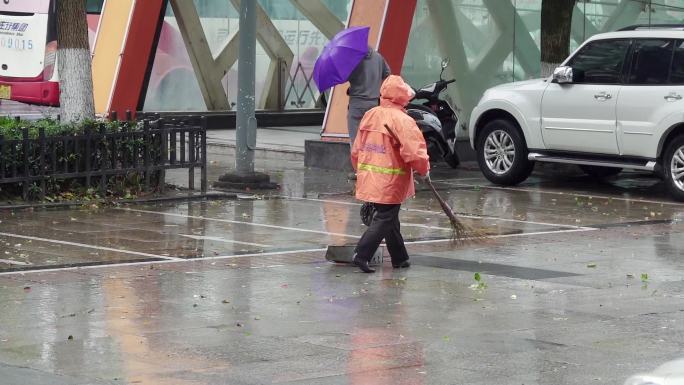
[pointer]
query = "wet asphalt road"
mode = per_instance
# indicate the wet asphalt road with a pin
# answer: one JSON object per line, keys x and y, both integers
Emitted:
{"x": 581, "y": 282}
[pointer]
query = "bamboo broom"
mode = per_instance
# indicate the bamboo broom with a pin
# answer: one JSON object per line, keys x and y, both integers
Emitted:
{"x": 460, "y": 232}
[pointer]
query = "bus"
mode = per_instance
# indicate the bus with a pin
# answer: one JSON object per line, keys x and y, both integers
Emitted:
{"x": 28, "y": 49}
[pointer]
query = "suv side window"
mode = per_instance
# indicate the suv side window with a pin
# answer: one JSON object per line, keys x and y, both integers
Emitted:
{"x": 677, "y": 68}
{"x": 600, "y": 61}
{"x": 650, "y": 61}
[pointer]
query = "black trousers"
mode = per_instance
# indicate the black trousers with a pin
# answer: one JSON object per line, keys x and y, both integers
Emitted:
{"x": 385, "y": 225}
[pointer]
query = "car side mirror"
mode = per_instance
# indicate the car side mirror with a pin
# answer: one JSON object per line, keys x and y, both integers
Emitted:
{"x": 567, "y": 75}
{"x": 563, "y": 75}
{"x": 445, "y": 63}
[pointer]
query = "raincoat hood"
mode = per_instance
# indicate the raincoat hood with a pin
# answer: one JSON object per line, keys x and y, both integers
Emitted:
{"x": 394, "y": 91}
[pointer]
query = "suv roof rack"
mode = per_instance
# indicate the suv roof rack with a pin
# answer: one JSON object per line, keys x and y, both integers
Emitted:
{"x": 652, "y": 26}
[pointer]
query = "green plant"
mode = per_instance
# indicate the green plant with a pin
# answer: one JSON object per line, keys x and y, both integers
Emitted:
{"x": 11, "y": 129}
{"x": 62, "y": 154}
{"x": 481, "y": 285}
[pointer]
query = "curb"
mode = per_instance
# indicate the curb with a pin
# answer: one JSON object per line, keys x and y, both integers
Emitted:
{"x": 195, "y": 197}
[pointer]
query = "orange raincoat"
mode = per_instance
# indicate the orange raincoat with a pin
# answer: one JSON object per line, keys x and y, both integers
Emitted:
{"x": 384, "y": 160}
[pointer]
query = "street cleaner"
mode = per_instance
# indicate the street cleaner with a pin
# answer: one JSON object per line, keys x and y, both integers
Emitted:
{"x": 389, "y": 147}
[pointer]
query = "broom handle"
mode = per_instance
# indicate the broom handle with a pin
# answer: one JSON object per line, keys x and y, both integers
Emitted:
{"x": 445, "y": 206}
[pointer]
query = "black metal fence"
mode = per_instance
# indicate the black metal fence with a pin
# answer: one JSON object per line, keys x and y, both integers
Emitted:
{"x": 97, "y": 155}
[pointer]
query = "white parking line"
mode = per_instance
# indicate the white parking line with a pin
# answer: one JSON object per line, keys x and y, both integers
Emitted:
{"x": 60, "y": 242}
{"x": 571, "y": 194}
{"x": 221, "y": 257}
{"x": 469, "y": 216}
{"x": 506, "y": 235}
{"x": 237, "y": 222}
{"x": 473, "y": 178}
{"x": 175, "y": 260}
{"x": 11, "y": 262}
{"x": 219, "y": 239}
{"x": 403, "y": 224}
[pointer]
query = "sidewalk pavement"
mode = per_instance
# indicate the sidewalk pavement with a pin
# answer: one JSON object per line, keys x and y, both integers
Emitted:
{"x": 286, "y": 143}
{"x": 581, "y": 283}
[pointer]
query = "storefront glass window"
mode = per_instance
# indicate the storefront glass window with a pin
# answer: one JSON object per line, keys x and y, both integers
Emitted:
{"x": 174, "y": 87}
{"x": 501, "y": 40}
{"x": 423, "y": 57}
{"x": 527, "y": 58}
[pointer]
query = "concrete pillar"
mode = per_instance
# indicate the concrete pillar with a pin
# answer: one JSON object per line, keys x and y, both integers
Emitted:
{"x": 246, "y": 121}
{"x": 244, "y": 177}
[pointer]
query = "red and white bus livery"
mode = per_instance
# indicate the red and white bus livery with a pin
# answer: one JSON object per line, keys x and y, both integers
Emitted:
{"x": 28, "y": 50}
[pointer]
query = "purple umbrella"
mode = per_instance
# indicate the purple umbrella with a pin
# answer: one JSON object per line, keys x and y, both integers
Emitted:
{"x": 340, "y": 56}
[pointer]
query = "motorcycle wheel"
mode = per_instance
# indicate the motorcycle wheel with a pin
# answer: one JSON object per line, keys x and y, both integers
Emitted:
{"x": 452, "y": 160}
{"x": 433, "y": 149}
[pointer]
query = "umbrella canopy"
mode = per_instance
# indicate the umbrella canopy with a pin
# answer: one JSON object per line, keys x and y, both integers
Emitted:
{"x": 340, "y": 56}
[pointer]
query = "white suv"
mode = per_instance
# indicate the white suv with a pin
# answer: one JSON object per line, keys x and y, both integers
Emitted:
{"x": 615, "y": 103}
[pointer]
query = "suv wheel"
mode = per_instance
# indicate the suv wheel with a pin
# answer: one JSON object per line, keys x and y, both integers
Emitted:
{"x": 673, "y": 167}
{"x": 502, "y": 153}
{"x": 600, "y": 171}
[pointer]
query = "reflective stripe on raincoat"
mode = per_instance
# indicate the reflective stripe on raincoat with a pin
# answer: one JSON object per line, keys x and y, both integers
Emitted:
{"x": 384, "y": 159}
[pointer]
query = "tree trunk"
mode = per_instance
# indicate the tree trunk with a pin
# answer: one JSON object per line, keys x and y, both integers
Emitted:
{"x": 75, "y": 72}
{"x": 556, "y": 23}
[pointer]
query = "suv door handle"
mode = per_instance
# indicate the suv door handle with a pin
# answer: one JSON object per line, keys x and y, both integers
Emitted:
{"x": 672, "y": 96}
{"x": 603, "y": 96}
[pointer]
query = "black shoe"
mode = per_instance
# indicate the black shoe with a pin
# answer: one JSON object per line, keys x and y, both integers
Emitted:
{"x": 401, "y": 265}
{"x": 363, "y": 265}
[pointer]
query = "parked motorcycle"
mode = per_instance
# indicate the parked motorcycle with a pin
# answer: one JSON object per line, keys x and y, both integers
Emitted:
{"x": 436, "y": 119}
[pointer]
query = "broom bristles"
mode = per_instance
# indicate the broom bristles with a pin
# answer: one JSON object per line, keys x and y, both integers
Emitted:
{"x": 460, "y": 232}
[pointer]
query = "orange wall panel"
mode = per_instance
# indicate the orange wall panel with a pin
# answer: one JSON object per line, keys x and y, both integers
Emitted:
{"x": 136, "y": 56}
{"x": 108, "y": 45}
{"x": 122, "y": 52}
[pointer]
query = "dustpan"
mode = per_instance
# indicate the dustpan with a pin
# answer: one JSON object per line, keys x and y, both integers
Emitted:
{"x": 345, "y": 254}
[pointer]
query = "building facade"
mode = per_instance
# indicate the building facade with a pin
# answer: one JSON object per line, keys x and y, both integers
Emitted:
{"x": 488, "y": 42}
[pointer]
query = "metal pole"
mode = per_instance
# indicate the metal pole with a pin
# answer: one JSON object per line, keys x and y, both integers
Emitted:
{"x": 246, "y": 121}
